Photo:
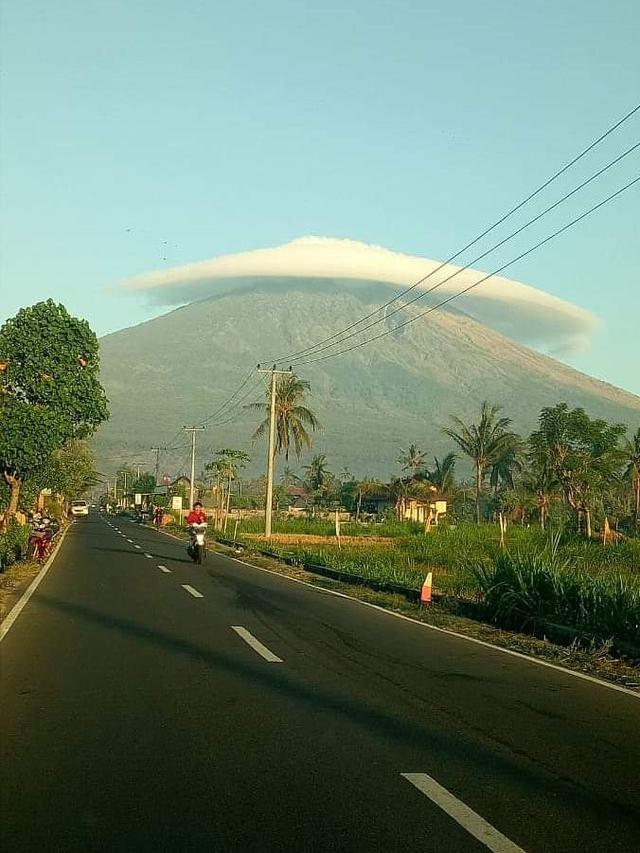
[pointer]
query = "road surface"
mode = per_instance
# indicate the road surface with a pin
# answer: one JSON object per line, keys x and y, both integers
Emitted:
{"x": 149, "y": 704}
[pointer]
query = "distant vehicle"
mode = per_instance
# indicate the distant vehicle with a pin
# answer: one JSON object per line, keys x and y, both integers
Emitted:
{"x": 79, "y": 508}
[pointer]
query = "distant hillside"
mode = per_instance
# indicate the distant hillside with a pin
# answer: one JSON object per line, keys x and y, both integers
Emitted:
{"x": 177, "y": 368}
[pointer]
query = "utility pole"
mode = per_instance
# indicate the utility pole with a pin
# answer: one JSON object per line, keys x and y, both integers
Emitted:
{"x": 193, "y": 430}
{"x": 157, "y": 450}
{"x": 271, "y": 450}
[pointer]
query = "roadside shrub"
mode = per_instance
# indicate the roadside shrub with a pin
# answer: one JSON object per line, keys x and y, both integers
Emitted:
{"x": 13, "y": 544}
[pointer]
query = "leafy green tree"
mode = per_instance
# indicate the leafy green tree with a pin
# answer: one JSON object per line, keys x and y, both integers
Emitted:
{"x": 583, "y": 454}
{"x": 484, "y": 442}
{"x": 631, "y": 456}
{"x": 71, "y": 471}
{"x": 49, "y": 393}
{"x": 225, "y": 468}
{"x": 293, "y": 418}
{"x": 145, "y": 484}
{"x": 367, "y": 489}
{"x": 28, "y": 436}
{"x": 540, "y": 480}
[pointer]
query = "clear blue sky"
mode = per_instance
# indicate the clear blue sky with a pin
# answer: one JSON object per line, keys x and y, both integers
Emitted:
{"x": 228, "y": 125}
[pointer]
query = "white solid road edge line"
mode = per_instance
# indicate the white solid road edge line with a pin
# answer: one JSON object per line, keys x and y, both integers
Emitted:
{"x": 572, "y": 672}
{"x": 192, "y": 591}
{"x": 19, "y": 606}
{"x": 582, "y": 675}
{"x": 256, "y": 645}
{"x": 462, "y": 814}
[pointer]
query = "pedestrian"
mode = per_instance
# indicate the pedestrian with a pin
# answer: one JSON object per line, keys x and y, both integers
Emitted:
{"x": 158, "y": 516}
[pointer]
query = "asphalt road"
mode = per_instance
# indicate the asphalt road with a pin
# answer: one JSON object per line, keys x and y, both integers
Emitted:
{"x": 223, "y": 708}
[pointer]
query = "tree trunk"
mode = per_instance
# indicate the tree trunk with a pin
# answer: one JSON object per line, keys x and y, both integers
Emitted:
{"x": 358, "y": 507}
{"x": 637, "y": 508}
{"x": 15, "y": 484}
{"x": 587, "y": 516}
{"x": 478, "y": 491}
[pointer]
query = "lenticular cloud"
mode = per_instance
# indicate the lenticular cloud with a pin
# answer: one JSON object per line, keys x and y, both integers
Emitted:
{"x": 517, "y": 310}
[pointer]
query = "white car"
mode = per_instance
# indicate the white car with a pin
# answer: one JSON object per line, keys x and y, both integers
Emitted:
{"x": 79, "y": 508}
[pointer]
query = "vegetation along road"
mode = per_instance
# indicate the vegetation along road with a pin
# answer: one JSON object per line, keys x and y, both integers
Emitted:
{"x": 153, "y": 704}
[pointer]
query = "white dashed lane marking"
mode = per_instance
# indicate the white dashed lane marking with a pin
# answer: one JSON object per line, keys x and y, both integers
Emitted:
{"x": 192, "y": 591}
{"x": 256, "y": 645}
{"x": 462, "y": 814}
{"x": 165, "y": 570}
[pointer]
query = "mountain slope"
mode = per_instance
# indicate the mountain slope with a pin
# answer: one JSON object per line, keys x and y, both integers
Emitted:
{"x": 177, "y": 368}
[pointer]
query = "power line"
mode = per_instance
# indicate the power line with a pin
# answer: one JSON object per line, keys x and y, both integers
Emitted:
{"x": 481, "y": 280}
{"x": 453, "y": 275}
{"x": 220, "y": 408}
{"x": 238, "y": 411}
{"x": 476, "y": 239}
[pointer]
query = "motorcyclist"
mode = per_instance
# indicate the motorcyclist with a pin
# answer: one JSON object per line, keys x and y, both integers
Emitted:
{"x": 197, "y": 515}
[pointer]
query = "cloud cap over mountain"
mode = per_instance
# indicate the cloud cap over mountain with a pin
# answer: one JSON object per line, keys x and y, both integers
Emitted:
{"x": 522, "y": 312}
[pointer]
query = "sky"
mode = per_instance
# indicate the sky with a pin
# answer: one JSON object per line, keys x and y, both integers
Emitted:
{"x": 139, "y": 136}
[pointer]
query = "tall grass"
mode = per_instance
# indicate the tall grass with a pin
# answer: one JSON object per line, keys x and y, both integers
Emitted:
{"x": 525, "y": 590}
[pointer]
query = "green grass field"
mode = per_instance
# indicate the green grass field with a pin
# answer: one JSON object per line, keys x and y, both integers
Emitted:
{"x": 539, "y": 576}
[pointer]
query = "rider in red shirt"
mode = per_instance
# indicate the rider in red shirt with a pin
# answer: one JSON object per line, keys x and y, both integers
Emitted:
{"x": 197, "y": 514}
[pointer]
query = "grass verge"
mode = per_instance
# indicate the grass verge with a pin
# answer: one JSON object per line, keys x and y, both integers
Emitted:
{"x": 595, "y": 659}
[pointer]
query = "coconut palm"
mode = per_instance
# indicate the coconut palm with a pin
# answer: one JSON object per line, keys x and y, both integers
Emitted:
{"x": 442, "y": 474}
{"x": 484, "y": 442}
{"x": 293, "y": 418}
{"x": 289, "y": 477}
{"x": 508, "y": 463}
{"x": 318, "y": 479}
{"x": 411, "y": 460}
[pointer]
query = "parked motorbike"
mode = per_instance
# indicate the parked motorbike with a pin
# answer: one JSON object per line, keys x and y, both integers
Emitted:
{"x": 43, "y": 529}
{"x": 197, "y": 547}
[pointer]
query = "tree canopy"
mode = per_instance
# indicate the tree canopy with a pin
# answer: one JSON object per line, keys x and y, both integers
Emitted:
{"x": 50, "y": 393}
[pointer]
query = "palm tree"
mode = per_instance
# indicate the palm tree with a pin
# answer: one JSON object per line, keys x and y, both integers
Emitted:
{"x": 289, "y": 477}
{"x": 442, "y": 475}
{"x": 318, "y": 478}
{"x": 292, "y": 417}
{"x": 631, "y": 453}
{"x": 507, "y": 464}
{"x": 483, "y": 442}
{"x": 317, "y": 471}
{"x": 411, "y": 460}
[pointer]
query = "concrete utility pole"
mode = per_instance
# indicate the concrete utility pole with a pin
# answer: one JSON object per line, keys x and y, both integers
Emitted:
{"x": 157, "y": 450}
{"x": 193, "y": 430}
{"x": 271, "y": 450}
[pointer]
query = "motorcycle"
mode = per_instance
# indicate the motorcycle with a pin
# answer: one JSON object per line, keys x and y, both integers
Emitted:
{"x": 197, "y": 547}
{"x": 42, "y": 533}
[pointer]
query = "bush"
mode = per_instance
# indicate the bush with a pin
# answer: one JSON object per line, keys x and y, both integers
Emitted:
{"x": 13, "y": 544}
